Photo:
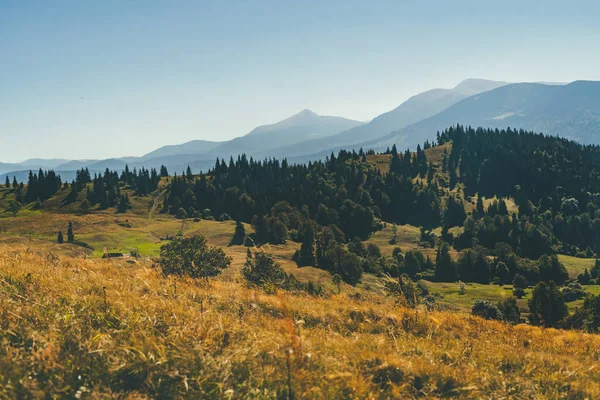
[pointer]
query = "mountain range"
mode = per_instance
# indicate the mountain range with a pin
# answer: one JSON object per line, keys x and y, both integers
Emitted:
{"x": 568, "y": 110}
{"x": 571, "y": 111}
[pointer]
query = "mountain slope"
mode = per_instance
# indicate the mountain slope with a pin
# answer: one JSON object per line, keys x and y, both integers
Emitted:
{"x": 305, "y": 125}
{"x": 571, "y": 111}
{"x": 415, "y": 109}
{"x": 193, "y": 147}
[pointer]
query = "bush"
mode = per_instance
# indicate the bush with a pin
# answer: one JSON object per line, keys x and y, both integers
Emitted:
{"x": 181, "y": 213}
{"x": 134, "y": 252}
{"x": 520, "y": 282}
{"x": 509, "y": 309}
{"x": 263, "y": 270}
{"x": 547, "y": 305}
{"x": 404, "y": 291}
{"x": 487, "y": 310}
{"x": 192, "y": 257}
{"x": 224, "y": 217}
{"x": 573, "y": 292}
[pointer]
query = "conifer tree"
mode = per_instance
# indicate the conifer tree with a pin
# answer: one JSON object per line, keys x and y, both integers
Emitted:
{"x": 70, "y": 234}
{"x": 60, "y": 238}
{"x": 239, "y": 234}
{"x": 163, "y": 171}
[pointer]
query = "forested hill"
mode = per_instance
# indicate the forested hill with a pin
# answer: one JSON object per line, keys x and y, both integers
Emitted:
{"x": 553, "y": 181}
{"x": 512, "y": 196}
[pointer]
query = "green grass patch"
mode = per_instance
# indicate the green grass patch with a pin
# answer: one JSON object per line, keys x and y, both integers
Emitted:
{"x": 576, "y": 266}
{"x": 451, "y": 296}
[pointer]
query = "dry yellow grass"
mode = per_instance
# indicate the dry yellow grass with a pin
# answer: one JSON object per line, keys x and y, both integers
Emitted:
{"x": 115, "y": 329}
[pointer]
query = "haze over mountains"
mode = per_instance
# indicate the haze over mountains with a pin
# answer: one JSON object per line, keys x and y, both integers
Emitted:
{"x": 412, "y": 110}
{"x": 571, "y": 111}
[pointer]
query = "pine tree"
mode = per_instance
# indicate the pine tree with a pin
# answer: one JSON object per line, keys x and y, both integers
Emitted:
{"x": 479, "y": 210}
{"x": 445, "y": 270}
{"x": 239, "y": 234}
{"x": 60, "y": 238}
{"x": 306, "y": 255}
{"x": 124, "y": 204}
{"x": 72, "y": 196}
{"x": 547, "y": 305}
{"x": 70, "y": 234}
{"x": 15, "y": 184}
{"x": 7, "y": 184}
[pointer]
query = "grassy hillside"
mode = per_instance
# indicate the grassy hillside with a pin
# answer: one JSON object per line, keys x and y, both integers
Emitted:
{"x": 90, "y": 328}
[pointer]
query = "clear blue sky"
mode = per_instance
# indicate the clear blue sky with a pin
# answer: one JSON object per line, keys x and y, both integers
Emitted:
{"x": 164, "y": 72}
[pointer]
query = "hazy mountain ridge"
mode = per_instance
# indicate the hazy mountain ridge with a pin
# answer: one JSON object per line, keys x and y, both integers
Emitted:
{"x": 298, "y": 128}
{"x": 192, "y": 147}
{"x": 414, "y": 109}
{"x": 571, "y": 111}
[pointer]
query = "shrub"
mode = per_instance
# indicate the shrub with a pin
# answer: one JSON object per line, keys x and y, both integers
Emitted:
{"x": 192, "y": 257}
{"x": 573, "y": 292}
{"x": 547, "y": 305}
{"x": 487, "y": 310}
{"x": 181, "y": 213}
{"x": 404, "y": 291}
{"x": 509, "y": 309}
{"x": 263, "y": 270}
{"x": 520, "y": 282}
{"x": 134, "y": 252}
{"x": 224, "y": 217}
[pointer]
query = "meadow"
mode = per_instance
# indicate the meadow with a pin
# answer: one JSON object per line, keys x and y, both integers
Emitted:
{"x": 91, "y": 328}
{"x": 76, "y": 325}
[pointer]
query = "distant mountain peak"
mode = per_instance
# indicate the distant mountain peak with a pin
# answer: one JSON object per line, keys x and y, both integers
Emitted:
{"x": 470, "y": 81}
{"x": 305, "y": 114}
{"x": 473, "y": 86}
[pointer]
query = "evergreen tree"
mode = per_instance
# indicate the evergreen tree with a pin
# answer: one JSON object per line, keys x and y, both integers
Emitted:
{"x": 479, "y": 210}
{"x": 70, "y": 234}
{"x": 60, "y": 238}
{"x": 239, "y": 234}
{"x": 306, "y": 254}
{"x": 124, "y": 204}
{"x": 163, "y": 171}
{"x": 445, "y": 270}
{"x": 547, "y": 305}
{"x": 85, "y": 206}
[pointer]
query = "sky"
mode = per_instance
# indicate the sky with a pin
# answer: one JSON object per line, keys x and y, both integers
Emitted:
{"x": 96, "y": 80}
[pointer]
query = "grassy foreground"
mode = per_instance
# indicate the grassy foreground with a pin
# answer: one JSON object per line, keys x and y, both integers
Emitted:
{"x": 91, "y": 328}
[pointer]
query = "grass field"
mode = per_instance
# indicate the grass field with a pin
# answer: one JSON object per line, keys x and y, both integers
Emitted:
{"x": 407, "y": 239}
{"x": 575, "y": 265}
{"x": 451, "y": 297}
{"x": 90, "y": 328}
{"x": 73, "y": 325}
